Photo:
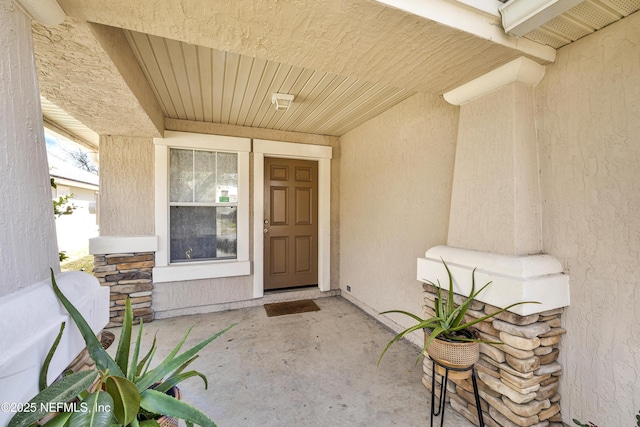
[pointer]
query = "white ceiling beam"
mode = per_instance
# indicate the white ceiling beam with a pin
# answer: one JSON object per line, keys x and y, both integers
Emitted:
{"x": 46, "y": 12}
{"x": 519, "y": 17}
{"x": 521, "y": 70}
{"x": 481, "y": 21}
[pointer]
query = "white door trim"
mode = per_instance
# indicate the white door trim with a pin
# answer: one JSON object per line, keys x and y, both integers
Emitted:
{"x": 322, "y": 154}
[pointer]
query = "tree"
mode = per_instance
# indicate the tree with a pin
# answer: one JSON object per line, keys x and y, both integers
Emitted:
{"x": 83, "y": 161}
{"x": 61, "y": 206}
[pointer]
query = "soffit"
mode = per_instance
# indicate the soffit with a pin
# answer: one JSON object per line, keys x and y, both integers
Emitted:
{"x": 204, "y": 84}
{"x": 60, "y": 122}
{"x": 582, "y": 20}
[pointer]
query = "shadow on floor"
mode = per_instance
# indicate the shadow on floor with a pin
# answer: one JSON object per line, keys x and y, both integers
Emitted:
{"x": 310, "y": 369}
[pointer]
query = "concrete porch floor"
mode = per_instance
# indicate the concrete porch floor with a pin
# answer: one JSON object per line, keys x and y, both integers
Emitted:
{"x": 309, "y": 369}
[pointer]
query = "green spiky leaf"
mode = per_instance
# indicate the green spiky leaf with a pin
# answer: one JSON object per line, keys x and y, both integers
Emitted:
{"x": 59, "y": 392}
{"x": 448, "y": 318}
{"x": 122, "y": 353}
{"x": 131, "y": 374}
{"x": 102, "y": 359}
{"x": 163, "y": 404}
{"x": 169, "y": 365}
{"x": 47, "y": 360}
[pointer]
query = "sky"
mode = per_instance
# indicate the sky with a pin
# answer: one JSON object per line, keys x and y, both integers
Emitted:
{"x": 61, "y": 148}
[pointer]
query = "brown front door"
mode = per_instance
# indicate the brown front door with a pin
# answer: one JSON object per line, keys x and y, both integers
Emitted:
{"x": 291, "y": 223}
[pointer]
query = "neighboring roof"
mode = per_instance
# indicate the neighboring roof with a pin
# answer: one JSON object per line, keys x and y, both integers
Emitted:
{"x": 59, "y": 168}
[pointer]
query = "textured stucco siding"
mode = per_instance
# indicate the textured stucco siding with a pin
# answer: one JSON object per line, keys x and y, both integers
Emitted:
{"x": 395, "y": 191}
{"x": 27, "y": 231}
{"x": 588, "y": 108}
{"x": 90, "y": 72}
{"x": 126, "y": 186}
{"x": 495, "y": 203}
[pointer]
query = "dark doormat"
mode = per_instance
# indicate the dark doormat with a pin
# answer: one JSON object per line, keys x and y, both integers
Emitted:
{"x": 290, "y": 307}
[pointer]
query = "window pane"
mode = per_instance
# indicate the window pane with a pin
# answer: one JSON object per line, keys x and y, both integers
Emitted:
{"x": 193, "y": 233}
{"x": 181, "y": 176}
{"x": 227, "y": 221}
{"x": 204, "y": 170}
{"x": 202, "y": 233}
{"x": 227, "y": 177}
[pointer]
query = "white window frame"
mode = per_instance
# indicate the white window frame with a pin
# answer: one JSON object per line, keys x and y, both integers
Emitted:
{"x": 164, "y": 271}
{"x": 320, "y": 153}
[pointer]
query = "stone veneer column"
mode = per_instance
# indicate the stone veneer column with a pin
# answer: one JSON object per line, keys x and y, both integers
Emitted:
{"x": 495, "y": 225}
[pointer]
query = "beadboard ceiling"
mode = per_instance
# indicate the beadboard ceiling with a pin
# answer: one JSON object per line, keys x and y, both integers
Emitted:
{"x": 203, "y": 84}
{"x": 193, "y": 82}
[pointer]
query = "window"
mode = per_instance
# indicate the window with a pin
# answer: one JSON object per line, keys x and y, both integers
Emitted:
{"x": 63, "y": 190}
{"x": 202, "y": 206}
{"x": 203, "y": 200}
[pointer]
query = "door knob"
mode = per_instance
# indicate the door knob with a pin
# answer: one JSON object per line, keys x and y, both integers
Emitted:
{"x": 266, "y": 230}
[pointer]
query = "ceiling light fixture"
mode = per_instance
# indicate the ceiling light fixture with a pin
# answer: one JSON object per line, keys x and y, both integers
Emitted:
{"x": 282, "y": 101}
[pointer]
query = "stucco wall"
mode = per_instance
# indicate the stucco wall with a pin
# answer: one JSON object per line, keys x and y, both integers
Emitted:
{"x": 395, "y": 187}
{"x": 495, "y": 203}
{"x": 27, "y": 232}
{"x": 588, "y": 108}
{"x": 126, "y": 186}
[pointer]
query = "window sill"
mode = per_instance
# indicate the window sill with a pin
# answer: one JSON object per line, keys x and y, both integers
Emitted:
{"x": 201, "y": 270}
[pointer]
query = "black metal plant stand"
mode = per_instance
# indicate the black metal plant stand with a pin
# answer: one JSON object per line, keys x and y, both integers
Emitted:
{"x": 443, "y": 391}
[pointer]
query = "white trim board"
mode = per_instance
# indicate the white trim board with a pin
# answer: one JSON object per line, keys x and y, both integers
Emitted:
{"x": 322, "y": 154}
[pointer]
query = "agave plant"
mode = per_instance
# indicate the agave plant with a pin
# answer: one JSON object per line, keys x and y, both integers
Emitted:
{"x": 124, "y": 390}
{"x": 448, "y": 322}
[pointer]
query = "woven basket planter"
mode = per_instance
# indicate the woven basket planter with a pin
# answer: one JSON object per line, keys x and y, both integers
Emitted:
{"x": 166, "y": 421}
{"x": 454, "y": 354}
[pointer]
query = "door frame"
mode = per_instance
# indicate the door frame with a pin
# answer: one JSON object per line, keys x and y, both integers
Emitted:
{"x": 322, "y": 154}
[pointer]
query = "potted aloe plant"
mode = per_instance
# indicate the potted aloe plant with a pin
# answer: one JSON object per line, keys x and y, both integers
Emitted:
{"x": 124, "y": 390}
{"x": 448, "y": 338}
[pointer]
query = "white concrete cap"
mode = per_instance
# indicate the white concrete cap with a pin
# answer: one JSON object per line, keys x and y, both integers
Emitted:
{"x": 514, "y": 278}
{"x": 122, "y": 244}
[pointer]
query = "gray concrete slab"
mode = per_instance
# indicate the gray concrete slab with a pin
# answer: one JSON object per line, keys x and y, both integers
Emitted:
{"x": 309, "y": 369}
